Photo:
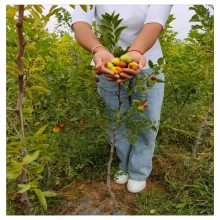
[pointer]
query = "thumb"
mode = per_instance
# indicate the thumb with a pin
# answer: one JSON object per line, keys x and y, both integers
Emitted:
{"x": 142, "y": 62}
{"x": 98, "y": 62}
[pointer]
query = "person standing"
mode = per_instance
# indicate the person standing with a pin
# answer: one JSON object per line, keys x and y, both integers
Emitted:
{"x": 144, "y": 25}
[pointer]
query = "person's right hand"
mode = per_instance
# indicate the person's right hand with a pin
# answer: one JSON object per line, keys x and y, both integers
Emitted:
{"x": 100, "y": 57}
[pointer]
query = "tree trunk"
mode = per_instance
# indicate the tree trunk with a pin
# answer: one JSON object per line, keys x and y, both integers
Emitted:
{"x": 21, "y": 82}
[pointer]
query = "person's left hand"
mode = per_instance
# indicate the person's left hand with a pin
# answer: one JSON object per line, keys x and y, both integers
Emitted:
{"x": 137, "y": 57}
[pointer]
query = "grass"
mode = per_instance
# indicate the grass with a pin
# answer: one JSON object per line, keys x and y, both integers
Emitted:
{"x": 188, "y": 184}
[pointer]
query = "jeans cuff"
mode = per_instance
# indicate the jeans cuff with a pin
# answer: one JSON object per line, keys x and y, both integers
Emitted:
{"x": 137, "y": 179}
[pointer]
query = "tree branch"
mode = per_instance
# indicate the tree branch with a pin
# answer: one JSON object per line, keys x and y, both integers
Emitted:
{"x": 21, "y": 44}
{"x": 113, "y": 145}
{"x": 21, "y": 83}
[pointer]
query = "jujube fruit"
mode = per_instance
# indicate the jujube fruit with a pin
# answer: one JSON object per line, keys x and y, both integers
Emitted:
{"x": 56, "y": 129}
{"x": 133, "y": 65}
{"x": 108, "y": 65}
{"x": 61, "y": 125}
{"x": 145, "y": 105}
{"x": 153, "y": 77}
{"x": 122, "y": 64}
{"x": 115, "y": 61}
{"x": 126, "y": 58}
{"x": 140, "y": 107}
{"x": 116, "y": 69}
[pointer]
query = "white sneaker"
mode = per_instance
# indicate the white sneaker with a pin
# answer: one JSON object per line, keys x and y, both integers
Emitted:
{"x": 135, "y": 186}
{"x": 121, "y": 177}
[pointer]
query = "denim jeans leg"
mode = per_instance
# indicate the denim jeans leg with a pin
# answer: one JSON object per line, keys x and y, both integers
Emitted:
{"x": 140, "y": 160}
{"x": 107, "y": 90}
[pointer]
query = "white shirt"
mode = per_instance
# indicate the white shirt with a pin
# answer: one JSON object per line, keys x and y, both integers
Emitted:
{"x": 134, "y": 17}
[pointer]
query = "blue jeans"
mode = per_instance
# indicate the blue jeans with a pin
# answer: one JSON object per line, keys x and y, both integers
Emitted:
{"x": 135, "y": 159}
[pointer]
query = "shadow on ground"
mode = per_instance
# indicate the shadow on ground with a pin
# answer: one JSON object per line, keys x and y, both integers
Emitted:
{"x": 92, "y": 198}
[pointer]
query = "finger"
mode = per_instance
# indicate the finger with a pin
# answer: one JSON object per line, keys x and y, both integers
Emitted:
{"x": 98, "y": 72}
{"x": 110, "y": 74}
{"x": 114, "y": 77}
{"x": 107, "y": 71}
{"x": 110, "y": 79}
{"x": 129, "y": 71}
{"x": 120, "y": 81}
{"x": 126, "y": 76}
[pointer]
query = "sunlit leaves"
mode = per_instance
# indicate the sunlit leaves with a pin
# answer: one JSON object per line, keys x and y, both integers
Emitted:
{"x": 30, "y": 157}
{"x": 39, "y": 89}
{"x": 13, "y": 171}
{"x": 24, "y": 187}
{"x": 41, "y": 198}
{"x": 11, "y": 11}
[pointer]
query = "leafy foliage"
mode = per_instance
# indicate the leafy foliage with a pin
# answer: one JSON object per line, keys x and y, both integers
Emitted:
{"x": 59, "y": 88}
{"x": 109, "y": 31}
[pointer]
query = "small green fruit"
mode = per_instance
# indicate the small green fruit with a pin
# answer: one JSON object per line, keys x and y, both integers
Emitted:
{"x": 115, "y": 61}
{"x": 140, "y": 107}
{"x": 108, "y": 65}
{"x": 126, "y": 58}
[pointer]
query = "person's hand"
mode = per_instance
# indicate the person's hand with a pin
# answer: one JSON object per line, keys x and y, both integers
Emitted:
{"x": 100, "y": 57}
{"x": 129, "y": 73}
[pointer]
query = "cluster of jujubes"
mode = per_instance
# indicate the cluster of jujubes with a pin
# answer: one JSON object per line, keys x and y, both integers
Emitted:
{"x": 117, "y": 64}
{"x": 58, "y": 128}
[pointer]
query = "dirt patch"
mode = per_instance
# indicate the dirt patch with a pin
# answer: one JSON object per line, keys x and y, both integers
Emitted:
{"x": 92, "y": 198}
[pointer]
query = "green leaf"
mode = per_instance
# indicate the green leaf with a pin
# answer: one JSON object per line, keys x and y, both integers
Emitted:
{"x": 156, "y": 72}
{"x": 13, "y": 172}
{"x": 12, "y": 69}
{"x": 11, "y": 11}
{"x": 35, "y": 15}
{"x": 119, "y": 30}
{"x": 136, "y": 102}
{"x": 53, "y": 7}
{"x": 12, "y": 144}
{"x": 38, "y": 8}
{"x": 53, "y": 12}
{"x": 37, "y": 138}
{"x": 160, "y": 81}
{"x": 150, "y": 83}
{"x": 72, "y": 6}
{"x": 29, "y": 20}
{"x": 116, "y": 24}
{"x": 40, "y": 79}
{"x": 41, "y": 198}
{"x": 150, "y": 63}
{"x": 41, "y": 130}
{"x": 115, "y": 19}
{"x": 30, "y": 47}
{"x": 195, "y": 18}
{"x": 38, "y": 147}
{"x": 180, "y": 206}
{"x": 160, "y": 61}
{"x": 30, "y": 157}
{"x": 49, "y": 194}
{"x": 38, "y": 88}
{"x": 24, "y": 188}
{"x": 84, "y": 7}
{"x": 106, "y": 28}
